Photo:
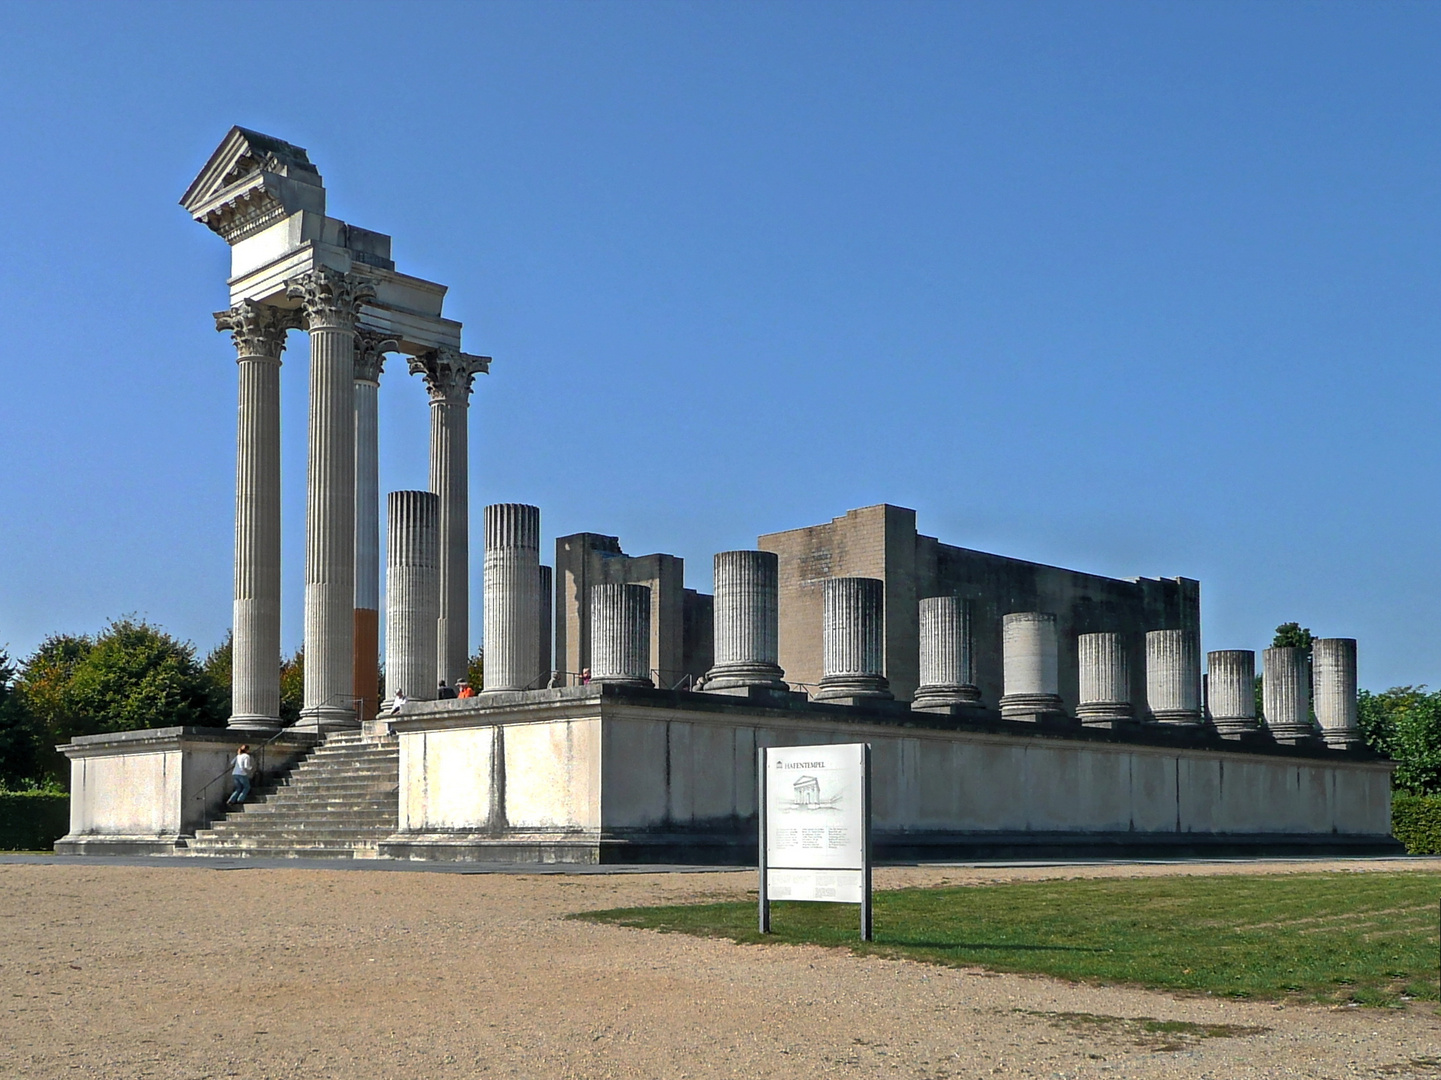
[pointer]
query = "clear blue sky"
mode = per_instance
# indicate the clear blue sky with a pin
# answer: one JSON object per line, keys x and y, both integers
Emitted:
{"x": 1132, "y": 288}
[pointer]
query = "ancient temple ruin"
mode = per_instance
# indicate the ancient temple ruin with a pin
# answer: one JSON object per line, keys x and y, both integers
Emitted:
{"x": 1013, "y": 708}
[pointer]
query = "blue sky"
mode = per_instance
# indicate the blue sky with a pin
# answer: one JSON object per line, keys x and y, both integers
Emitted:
{"x": 1131, "y": 288}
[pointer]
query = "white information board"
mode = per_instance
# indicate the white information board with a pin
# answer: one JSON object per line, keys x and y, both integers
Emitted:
{"x": 815, "y": 826}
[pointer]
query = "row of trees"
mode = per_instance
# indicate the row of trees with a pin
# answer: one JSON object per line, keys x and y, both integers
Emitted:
{"x": 130, "y": 675}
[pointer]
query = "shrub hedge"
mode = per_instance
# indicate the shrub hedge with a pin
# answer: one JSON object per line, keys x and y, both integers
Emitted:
{"x": 1416, "y": 822}
{"x": 33, "y": 820}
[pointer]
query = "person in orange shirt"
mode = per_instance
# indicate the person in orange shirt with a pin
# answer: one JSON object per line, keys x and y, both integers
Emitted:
{"x": 464, "y": 689}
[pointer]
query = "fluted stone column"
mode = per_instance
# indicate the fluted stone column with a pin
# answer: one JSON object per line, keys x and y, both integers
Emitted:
{"x": 547, "y": 625}
{"x": 370, "y": 352}
{"x": 259, "y": 336}
{"x": 1173, "y": 676}
{"x": 746, "y": 620}
{"x": 1286, "y": 693}
{"x": 853, "y": 659}
{"x": 512, "y": 601}
{"x": 620, "y": 634}
{"x": 412, "y": 593}
{"x": 1031, "y": 677}
{"x": 448, "y": 377}
{"x": 1231, "y": 691}
{"x": 947, "y": 660}
{"x": 331, "y": 301}
{"x": 1105, "y": 680}
{"x": 1334, "y": 662}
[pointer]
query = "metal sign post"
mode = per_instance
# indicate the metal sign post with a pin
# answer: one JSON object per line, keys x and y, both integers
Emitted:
{"x": 814, "y": 818}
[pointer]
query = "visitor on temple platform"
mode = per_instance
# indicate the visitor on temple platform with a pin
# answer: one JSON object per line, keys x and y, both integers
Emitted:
{"x": 444, "y": 692}
{"x": 464, "y": 689}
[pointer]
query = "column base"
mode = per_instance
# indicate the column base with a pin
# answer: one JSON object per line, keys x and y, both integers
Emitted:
{"x": 942, "y": 696}
{"x": 854, "y": 689}
{"x": 620, "y": 680}
{"x": 1345, "y": 739}
{"x": 1234, "y": 727}
{"x": 327, "y": 718}
{"x": 1178, "y": 717}
{"x": 1105, "y": 714}
{"x": 740, "y": 677}
{"x": 1031, "y": 707}
{"x": 266, "y": 725}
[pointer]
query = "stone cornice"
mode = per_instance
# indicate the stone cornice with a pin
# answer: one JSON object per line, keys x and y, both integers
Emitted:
{"x": 258, "y": 330}
{"x": 449, "y": 374}
{"x": 331, "y": 299}
{"x": 370, "y": 350}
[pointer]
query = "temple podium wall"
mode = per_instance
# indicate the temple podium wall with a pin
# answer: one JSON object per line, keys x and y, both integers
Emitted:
{"x": 593, "y": 774}
{"x": 144, "y": 792}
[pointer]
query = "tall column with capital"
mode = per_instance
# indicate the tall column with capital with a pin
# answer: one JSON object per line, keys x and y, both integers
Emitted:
{"x": 259, "y": 336}
{"x": 370, "y": 350}
{"x": 448, "y": 376}
{"x": 331, "y": 301}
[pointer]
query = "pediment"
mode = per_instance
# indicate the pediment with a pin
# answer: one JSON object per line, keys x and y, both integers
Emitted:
{"x": 250, "y": 181}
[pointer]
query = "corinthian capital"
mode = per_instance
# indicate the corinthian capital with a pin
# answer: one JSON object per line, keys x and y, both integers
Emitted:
{"x": 370, "y": 350}
{"x": 257, "y": 329}
{"x": 448, "y": 373}
{"x": 331, "y": 299}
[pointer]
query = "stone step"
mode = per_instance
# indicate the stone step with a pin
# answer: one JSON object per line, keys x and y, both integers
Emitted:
{"x": 308, "y": 837}
{"x": 342, "y": 814}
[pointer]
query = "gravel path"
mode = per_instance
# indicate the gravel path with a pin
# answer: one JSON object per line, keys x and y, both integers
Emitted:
{"x": 193, "y": 971}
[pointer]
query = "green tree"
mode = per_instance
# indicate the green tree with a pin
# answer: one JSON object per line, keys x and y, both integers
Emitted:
{"x": 19, "y": 739}
{"x": 475, "y": 670}
{"x": 292, "y": 686}
{"x": 1292, "y": 636}
{"x": 44, "y": 687}
{"x": 1404, "y": 723}
{"x": 138, "y": 676}
{"x": 217, "y": 667}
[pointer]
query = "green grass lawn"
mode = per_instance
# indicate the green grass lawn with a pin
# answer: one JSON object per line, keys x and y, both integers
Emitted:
{"x": 1370, "y": 938}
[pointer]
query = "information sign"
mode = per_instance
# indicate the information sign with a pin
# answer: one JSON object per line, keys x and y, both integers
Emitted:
{"x": 815, "y": 826}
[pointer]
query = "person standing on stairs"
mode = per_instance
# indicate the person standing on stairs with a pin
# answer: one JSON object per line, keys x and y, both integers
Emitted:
{"x": 244, "y": 769}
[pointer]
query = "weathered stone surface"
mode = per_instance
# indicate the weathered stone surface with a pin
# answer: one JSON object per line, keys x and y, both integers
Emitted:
{"x": 366, "y": 679}
{"x": 259, "y": 336}
{"x": 547, "y": 626}
{"x": 853, "y": 636}
{"x": 947, "y": 665}
{"x": 746, "y": 624}
{"x": 1286, "y": 693}
{"x": 512, "y": 600}
{"x": 1173, "y": 676}
{"x": 1030, "y": 656}
{"x": 1105, "y": 679}
{"x": 1334, "y": 664}
{"x": 620, "y": 635}
{"x": 1231, "y": 691}
{"x": 412, "y": 593}
{"x": 330, "y": 301}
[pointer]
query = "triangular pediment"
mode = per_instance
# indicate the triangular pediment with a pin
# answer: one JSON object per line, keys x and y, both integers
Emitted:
{"x": 242, "y": 156}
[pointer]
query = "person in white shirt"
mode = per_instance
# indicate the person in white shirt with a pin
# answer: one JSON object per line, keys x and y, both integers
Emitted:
{"x": 242, "y": 772}
{"x": 399, "y": 700}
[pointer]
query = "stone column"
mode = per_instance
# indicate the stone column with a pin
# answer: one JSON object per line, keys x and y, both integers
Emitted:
{"x": 547, "y": 632}
{"x": 412, "y": 593}
{"x": 948, "y": 676}
{"x": 1173, "y": 676}
{"x": 620, "y": 634}
{"x": 1030, "y": 653}
{"x": 512, "y": 603}
{"x": 331, "y": 301}
{"x": 1286, "y": 693}
{"x": 1105, "y": 680}
{"x": 448, "y": 377}
{"x": 853, "y": 660}
{"x": 1334, "y": 662}
{"x": 259, "y": 336}
{"x": 1231, "y": 691}
{"x": 746, "y": 621}
{"x": 370, "y": 352}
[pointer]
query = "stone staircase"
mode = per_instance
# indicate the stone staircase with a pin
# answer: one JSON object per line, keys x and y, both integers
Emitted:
{"x": 338, "y": 803}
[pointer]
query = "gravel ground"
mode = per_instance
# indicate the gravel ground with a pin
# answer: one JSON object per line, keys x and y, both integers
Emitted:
{"x": 194, "y": 971}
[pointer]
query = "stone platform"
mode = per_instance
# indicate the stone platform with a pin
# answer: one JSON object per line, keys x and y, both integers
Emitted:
{"x": 619, "y": 774}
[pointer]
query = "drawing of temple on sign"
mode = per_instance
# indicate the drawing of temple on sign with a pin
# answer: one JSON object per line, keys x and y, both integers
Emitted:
{"x": 808, "y": 791}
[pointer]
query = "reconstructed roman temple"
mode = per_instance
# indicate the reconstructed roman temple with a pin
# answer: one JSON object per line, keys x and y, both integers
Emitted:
{"x": 1013, "y": 709}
